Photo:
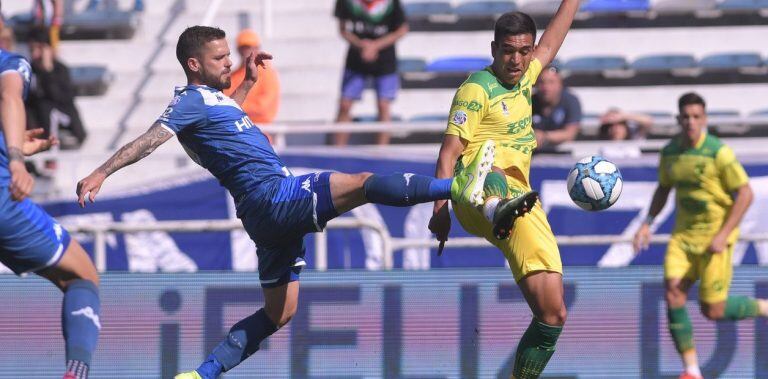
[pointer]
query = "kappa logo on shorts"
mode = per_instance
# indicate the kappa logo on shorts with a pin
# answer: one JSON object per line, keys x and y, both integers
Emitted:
{"x": 305, "y": 185}
{"x": 408, "y": 178}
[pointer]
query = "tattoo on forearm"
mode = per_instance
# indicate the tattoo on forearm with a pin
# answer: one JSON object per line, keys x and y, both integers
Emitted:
{"x": 137, "y": 149}
{"x": 15, "y": 154}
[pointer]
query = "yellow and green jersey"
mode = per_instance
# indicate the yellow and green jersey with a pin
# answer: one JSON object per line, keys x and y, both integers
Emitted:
{"x": 485, "y": 108}
{"x": 704, "y": 176}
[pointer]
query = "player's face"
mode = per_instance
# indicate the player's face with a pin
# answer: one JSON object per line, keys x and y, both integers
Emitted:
{"x": 215, "y": 65}
{"x": 550, "y": 86}
{"x": 511, "y": 57}
{"x": 693, "y": 121}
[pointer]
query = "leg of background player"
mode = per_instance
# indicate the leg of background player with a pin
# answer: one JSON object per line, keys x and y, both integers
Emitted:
{"x": 544, "y": 293}
{"x": 246, "y": 335}
{"x": 76, "y": 276}
{"x": 680, "y": 324}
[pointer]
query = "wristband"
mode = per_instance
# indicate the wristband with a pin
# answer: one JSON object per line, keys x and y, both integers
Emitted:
{"x": 649, "y": 220}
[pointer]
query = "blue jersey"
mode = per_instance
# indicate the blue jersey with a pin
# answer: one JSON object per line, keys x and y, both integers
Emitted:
{"x": 11, "y": 64}
{"x": 219, "y": 136}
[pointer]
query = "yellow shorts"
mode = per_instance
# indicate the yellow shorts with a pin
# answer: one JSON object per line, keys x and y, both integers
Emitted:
{"x": 685, "y": 261}
{"x": 530, "y": 247}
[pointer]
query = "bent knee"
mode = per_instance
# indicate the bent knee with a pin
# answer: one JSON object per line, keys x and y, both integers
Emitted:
{"x": 711, "y": 312}
{"x": 555, "y": 317}
{"x": 281, "y": 318}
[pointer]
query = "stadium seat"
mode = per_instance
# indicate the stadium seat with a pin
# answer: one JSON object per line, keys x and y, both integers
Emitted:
{"x": 663, "y": 62}
{"x": 595, "y": 64}
{"x": 614, "y": 6}
{"x": 539, "y": 7}
{"x": 723, "y": 113}
{"x": 731, "y": 61}
{"x": 747, "y": 5}
{"x": 458, "y": 64}
{"x": 682, "y": 6}
{"x": 90, "y": 80}
{"x": 427, "y": 8}
{"x": 437, "y": 117}
{"x": 485, "y": 8}
{"x": 760, "y": 112}
{"x": 107, "y": 23}
{"x": 411, "y": 65}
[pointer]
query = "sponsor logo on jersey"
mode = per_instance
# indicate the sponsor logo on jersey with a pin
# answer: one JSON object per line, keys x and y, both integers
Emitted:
{"x": 473, "y": 105}
{"x": 518, "y": 126}
{"x": 459, "y": 118}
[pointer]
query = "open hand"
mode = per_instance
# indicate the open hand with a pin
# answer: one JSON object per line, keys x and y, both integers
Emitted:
{"x": 33, "y": 144}
{"x": 252, "y": 63}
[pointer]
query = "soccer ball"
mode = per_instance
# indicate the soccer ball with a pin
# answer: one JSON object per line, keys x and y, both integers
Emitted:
{"x": 594, "y": 183}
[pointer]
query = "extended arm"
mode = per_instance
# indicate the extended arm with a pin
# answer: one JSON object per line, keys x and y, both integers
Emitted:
{"x": 128, "y": 154}
{"x": 554, "y": 35}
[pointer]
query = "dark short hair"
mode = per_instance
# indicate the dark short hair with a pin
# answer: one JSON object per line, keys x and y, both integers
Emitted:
{"x": 690, "y": 98}
{"x": 39, "y": 34}
{"x": 514, "y": 23}
{"x": 192, "y": 40}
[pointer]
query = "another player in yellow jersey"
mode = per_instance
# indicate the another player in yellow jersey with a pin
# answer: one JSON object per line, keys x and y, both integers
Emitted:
{"x": 712, "y": 193}
{"x": 495, "y": 104}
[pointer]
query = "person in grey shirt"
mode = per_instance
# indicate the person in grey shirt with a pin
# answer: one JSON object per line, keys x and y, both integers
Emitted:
{"x": 556, "y": 112}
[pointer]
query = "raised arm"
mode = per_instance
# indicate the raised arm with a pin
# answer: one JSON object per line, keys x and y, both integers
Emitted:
{"x": 251, "y": 75}
{"x": 14, "y": 123}
{"x": 554, "y": 35}
{"x": 128, "y": 154}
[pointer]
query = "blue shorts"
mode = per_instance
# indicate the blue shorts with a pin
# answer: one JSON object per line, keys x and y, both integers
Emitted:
{"x": 353, "y": 84}
{"x": 294, "y": 206}
{"x": 30, "y": 239}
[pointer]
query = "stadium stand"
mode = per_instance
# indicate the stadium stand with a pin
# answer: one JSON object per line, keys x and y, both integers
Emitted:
{"x": 108, "y": 21}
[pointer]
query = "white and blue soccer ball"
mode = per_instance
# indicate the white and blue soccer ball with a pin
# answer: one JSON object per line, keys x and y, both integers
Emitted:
{"x": 594, "y": 183}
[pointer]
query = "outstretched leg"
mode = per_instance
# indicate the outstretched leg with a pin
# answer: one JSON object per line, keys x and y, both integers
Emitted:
{"x": 351, "y": 191}
{"x": 76, "y": 276}
{"x": 543, "y": 291}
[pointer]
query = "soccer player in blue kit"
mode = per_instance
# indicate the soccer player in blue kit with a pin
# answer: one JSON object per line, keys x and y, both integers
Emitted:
{"x": 30, "y": 239}
{"x": 277, "y": 209}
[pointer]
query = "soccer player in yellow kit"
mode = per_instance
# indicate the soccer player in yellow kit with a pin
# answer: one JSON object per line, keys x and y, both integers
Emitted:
{"x": 495, "y": 104}
{"x": 712, "y": 193}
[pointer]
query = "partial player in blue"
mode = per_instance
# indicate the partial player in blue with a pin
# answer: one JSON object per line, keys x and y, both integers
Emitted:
{"x": 277, "y": 209}
{"x": 32, "y": 241}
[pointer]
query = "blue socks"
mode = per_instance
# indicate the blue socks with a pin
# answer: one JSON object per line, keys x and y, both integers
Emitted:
{"x": 80, "y": 321}
{"x": 242, "y": 341}
{"x": 402, "y": 190}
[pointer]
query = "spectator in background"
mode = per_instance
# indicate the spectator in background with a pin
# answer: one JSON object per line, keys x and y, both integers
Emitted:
{"x": 371, "y": 27}
{"x": 7, "y": 39}
{"x": 617, "y": 125}
{"x": 51, "y": 102}
{"x": 263, "y": 99}
{"x": 556, "y": 112}
{"x": 49, "y": 14}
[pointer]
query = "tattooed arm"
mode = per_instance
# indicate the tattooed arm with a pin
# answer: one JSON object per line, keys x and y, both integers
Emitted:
{"x": 128, "y": 154}
{"x": 14, "y": 123}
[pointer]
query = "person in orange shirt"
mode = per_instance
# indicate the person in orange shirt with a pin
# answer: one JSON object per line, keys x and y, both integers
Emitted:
{"x": 264, "y": 98}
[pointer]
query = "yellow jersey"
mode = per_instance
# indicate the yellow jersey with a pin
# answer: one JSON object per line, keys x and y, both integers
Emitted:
{"x": 485, "y": 108}
{"x": 703, "y": 177}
